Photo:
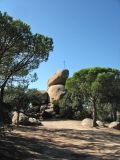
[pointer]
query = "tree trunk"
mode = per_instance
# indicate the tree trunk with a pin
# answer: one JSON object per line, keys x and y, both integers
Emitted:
{"x": 114, "y": 115}
{"x": 1, "y": 112}
{"x": 2, "y": 94}
{"x": 118, "y": 116}
{"x": 94, "y": 113}
{"x": 3, "y": 88}
{"x": 18, "y": 118}
{"x": 114, "y": 112}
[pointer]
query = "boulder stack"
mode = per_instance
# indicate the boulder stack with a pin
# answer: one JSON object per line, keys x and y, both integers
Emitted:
{"x": 56, "y": 89}
{"x": 56, "y": 85}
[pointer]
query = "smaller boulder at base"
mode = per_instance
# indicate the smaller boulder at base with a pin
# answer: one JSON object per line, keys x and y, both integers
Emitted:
{"x": 100, "y": 123}
{"x": 87, "y": 122}
{"x": 115, "y": 125}
{"x": 22, "y": 118}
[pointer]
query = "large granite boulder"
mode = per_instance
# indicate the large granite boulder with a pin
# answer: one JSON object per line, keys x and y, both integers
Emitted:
{"x": 59, "y": 77}
{"x": 56, "y": 92}
{"x": 100, "y": 123}
{"x": 22, "y": 118}
{"x": 87, "y": 122}
{"x": 115, "y": 125}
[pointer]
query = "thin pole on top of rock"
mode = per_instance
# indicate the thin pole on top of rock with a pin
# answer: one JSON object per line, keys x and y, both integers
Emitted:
{"x": 64, "y": 64}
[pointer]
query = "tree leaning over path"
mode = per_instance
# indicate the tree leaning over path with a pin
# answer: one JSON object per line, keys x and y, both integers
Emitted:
{"x": 20, "y": 51}
{"x": 96, "y": 85}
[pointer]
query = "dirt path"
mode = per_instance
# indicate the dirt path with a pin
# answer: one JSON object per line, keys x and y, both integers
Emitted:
{"x": 61, "y": 140}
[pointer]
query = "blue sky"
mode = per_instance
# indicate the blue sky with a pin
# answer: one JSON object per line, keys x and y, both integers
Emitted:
{"x": 86, "y": 33}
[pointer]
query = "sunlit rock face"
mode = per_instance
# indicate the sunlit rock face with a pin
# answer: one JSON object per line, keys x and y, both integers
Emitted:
{"x": 87, "y": 122}
{"x": 59, "y": 77}
{"x": 56, "y": 92}
{"x": 22, "y": 118}
{"x": 115, "y": 125}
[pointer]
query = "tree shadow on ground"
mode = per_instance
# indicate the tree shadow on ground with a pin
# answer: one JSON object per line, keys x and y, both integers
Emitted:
{"x": 20, "y": 147}
{"x": 88, "y": 135}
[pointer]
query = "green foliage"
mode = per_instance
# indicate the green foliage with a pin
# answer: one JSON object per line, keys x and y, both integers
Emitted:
{"x": 66, "y": 106}
{"x": 35, "y": 97}
{"x": 105, "y": 112}
{"x": 20, "y": 51}
{"x": 96, "y": 86}
{"x": 24, "y": 99}
{"x": 56, "y": 106}
{"x": 19, "y": 99}
{"x": 71, "y": 106}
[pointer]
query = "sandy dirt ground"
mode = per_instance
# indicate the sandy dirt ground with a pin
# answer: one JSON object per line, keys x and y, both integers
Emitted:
{"x": 61, "y": 140}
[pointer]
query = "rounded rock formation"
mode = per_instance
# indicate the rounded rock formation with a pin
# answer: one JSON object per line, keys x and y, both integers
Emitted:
{"x": 87, "y": 122}
{"x": 22, "y": 118}
{"x": 59, "y": 77}
{"x": 56, "y": 88}
{"x": 56, "y": 92}
{"x": 115, "y": 125}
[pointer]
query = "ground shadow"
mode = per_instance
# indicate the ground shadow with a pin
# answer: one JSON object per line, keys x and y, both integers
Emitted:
{"x": 20, "y": 147}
